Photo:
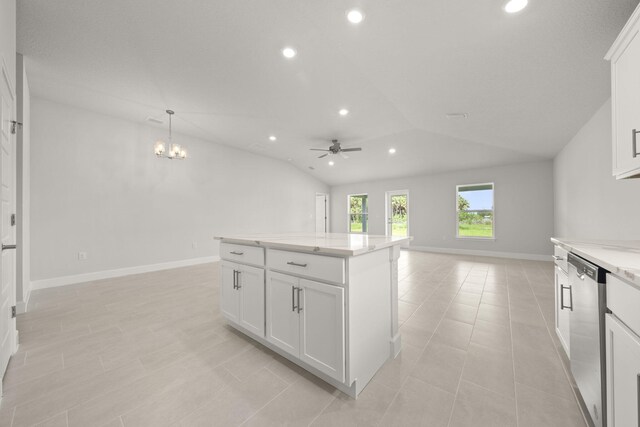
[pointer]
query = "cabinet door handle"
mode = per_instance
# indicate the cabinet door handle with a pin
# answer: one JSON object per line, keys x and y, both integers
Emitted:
{"x": 293, "y": 298}
{"x": 236, "y": 253}
{"x": 238, "y": 279}
{"x": 299, "y": 308}
{"x": 634, "y": 146}
{"x": 562, "y": 306}
{"x": 235, "y": 279}
{"x": 296, "y": 264}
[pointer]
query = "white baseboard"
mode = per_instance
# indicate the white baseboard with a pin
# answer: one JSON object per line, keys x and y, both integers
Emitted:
{"x": 22, "y": 306}
{"x": 512, "y": 255}
{"x": 108, "y": 274}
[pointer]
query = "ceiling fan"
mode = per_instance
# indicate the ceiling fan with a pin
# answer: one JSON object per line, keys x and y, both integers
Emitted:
{"x": 335, "y": 148}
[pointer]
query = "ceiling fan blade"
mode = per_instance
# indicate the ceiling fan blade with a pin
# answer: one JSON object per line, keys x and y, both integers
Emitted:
{"x": 352, "y": 149}
{"x": 318, "y": 149}
{"x": 324, "y": 155}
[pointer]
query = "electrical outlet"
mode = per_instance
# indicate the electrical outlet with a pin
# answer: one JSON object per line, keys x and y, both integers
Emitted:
{"x": 82, "y": 256}
{"x": 194, "y": 245}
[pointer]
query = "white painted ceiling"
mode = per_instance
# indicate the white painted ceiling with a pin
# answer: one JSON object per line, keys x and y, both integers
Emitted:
{"x": 528, "y": 81}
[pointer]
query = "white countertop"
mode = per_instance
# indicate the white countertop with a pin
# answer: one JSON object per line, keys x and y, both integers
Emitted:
{"x": 620, "y": 257}
{"x": 329, "y": 243}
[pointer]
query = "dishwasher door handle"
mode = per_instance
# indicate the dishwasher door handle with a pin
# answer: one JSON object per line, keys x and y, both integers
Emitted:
{"x": 562, "y": 306}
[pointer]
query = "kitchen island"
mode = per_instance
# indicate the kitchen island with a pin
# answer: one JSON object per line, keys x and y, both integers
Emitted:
{"x": 328, "y": 302}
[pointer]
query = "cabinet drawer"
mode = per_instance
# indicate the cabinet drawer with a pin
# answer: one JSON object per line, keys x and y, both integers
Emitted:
{"x": 320, "y": 267}
{"x": 560, "y": 256}
{"x": 242, "y": 254}
{"x": 623, "y": 299}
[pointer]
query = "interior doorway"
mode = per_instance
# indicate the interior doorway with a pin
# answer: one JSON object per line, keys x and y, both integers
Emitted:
{"x": 7, "y": 225}
{"x": 397, "y": 213}
{"x": 322, "y": 213}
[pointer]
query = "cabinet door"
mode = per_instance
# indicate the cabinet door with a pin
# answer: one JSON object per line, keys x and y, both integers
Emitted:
{"x": 251, "y": 288}
{"x": 229, "y": 296}
{"x": 623, "y": 374}
{"x": 563, "y": 308}
{"x": 322, "y": 327}
{"x": 626, "y": 108}
{"x": 283, "y": 329}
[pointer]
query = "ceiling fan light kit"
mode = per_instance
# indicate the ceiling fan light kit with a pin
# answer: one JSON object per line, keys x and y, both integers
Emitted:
{"x": 335, "y": 148}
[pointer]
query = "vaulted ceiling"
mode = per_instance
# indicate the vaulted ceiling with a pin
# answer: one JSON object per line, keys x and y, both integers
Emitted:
{"x": 527, "y": 81}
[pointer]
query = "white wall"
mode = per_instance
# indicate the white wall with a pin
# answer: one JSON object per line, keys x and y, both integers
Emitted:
{"x": 589, "y": 202}
{"x": 97, "y": 187}
{"x": 523, "y": 208}
{"x": 23, "y": 179}
{"x": 8, "y": 38}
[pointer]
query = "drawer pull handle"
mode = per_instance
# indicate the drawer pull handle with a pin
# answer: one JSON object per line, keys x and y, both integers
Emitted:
{"x": 236, "y": 253}
{"x": 296, "y": 264}
{"x": 634, "y": 147}
{"x": 562, "y": 306}
{"x": 557, "y": 258}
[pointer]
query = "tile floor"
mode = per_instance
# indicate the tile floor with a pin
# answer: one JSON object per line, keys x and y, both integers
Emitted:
{"x": 153, "y": 350}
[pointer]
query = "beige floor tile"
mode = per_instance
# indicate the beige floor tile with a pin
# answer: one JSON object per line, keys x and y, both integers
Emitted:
{"x": 462, "y": 313}
{"x": 59, "y": 420}
{"x": 478, "y": 407}
{"x": 394, "y": 372}
{"x": 419, "y": 404}
{"x": 181, "y": 399}
{"x": 491, "y": 335}
{"x": 167, "y": 340}
{"x": 367, "y": 410}
{"x": 536, "y": 408}
{"x": 440, "y": 365}
{"x": 542, "y": 371}
{"x": 298, "y": 405}
{"x": 453, "y": 333}
{"x": 491, "y": 369}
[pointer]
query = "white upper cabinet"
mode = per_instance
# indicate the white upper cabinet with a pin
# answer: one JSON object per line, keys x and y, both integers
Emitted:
{"x": 625, "y": 99}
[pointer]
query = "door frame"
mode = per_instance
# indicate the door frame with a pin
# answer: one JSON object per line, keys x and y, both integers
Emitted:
{"x": 327, "y": 217}
{"x": 387, "y": 210}
{"x": 13, "y": 332}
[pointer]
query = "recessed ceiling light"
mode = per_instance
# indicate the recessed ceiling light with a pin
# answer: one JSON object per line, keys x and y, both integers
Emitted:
{"x": 514, "y": 6}
{"x": 331, "y": 163}
{"x": 457, "y": 115}
{"x": 392, "y": 151}
{"x": 355, "y": 16}
{"x": 272, "y": 138}
{"x": 343, "y": 112}
{"x": 289, "y": 52}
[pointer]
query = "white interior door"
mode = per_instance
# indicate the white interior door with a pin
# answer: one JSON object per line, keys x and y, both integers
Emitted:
{"x": 397, "y": 213}
{"x": 7, "y": 229}
{"x": 322, "y": 213}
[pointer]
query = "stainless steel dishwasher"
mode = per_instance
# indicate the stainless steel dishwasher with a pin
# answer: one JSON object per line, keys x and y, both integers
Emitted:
{"x": 587, "y": 290}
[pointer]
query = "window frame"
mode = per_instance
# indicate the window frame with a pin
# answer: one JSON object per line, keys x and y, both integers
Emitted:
{"x": 493, "y": 204}
{"x": 349, "y": 196}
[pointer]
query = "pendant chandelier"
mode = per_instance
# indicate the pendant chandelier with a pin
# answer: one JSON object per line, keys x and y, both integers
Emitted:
{"x": 175, "y": 150}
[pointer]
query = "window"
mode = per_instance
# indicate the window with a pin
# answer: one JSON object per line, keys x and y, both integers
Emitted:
{"x": 475, "y": 217}
{"x": 358, "y": 213}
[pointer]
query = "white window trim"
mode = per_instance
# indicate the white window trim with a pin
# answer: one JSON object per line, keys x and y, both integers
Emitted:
{"x": 493, "y": 203}
{"x": 349, "y": 196}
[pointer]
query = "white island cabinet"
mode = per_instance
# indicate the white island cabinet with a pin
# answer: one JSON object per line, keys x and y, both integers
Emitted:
{"x": 327, "y": 302}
